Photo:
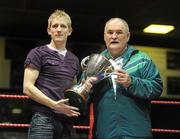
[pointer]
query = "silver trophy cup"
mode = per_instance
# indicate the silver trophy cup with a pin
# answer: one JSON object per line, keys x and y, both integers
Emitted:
{"x": 94, "y": 65}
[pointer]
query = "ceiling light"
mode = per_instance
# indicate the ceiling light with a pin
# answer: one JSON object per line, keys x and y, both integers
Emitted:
{"x": 158, "y": 29}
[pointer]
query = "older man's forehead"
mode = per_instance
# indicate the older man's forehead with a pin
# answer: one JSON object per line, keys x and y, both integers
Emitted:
{"x": 116, "y": 23}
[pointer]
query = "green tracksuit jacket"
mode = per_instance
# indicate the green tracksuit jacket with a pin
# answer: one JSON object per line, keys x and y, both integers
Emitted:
{"x": 128, "y": 114}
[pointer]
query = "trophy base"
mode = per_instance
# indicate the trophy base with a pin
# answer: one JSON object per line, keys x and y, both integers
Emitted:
{"x": 75, "y": 100}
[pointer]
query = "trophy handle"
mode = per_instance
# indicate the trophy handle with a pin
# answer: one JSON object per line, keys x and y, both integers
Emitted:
{"x": 84, "y": 62}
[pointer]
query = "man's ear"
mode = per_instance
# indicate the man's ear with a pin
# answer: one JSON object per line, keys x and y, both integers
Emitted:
{"x": 128, "y": 36}
{"x": 70, "y": 31}
{"x": 48, "y": 31}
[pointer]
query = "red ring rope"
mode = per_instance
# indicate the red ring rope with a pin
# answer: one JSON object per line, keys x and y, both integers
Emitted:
{"x": 26, "y": 97}
{"x": 82, "y": 126}
{"x": 165, "y": 102}
{"x": 166, "y": 130}
{"x": 14, "y": 96}
{"x": 13, "y": 125}
{"x": 27, "y": 125}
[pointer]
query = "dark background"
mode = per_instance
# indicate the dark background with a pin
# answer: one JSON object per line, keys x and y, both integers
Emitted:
{"x": 23, "y": 24}
{"x": 27, "y": 19}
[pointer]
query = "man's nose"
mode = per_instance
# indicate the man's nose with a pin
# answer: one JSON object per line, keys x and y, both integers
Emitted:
{"x": 114, "y": 35}
{"x": 59, "y": 28}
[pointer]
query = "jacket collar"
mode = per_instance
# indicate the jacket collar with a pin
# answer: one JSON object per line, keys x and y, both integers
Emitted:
{"x": 130, "y": 50}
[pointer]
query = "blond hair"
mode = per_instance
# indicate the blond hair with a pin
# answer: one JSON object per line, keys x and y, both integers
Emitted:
{"x": 59, "y": 13}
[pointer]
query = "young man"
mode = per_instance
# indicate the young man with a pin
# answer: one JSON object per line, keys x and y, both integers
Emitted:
{"x": 50, "y": 70}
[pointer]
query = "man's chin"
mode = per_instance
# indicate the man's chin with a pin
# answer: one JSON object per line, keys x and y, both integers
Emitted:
{"x": 59, "y": 39}
{"x": 115, "y": 45}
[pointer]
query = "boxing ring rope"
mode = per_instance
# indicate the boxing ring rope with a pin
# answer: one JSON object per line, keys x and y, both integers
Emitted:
{"x": 5, "y": 96}
{"x": 8, "y": 125}
{"x": 84, "y": 127}
{"x": 14, "y": 96}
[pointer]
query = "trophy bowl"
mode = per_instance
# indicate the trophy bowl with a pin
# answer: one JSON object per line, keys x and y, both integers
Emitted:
{"x": 94, "y": 65}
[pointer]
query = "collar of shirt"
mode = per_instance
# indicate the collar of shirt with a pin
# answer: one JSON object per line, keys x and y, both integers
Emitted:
{"x": 62, "y": 52}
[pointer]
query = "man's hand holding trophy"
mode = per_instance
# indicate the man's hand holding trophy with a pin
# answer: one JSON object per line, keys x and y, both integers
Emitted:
{"x": 95, "y": 68}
